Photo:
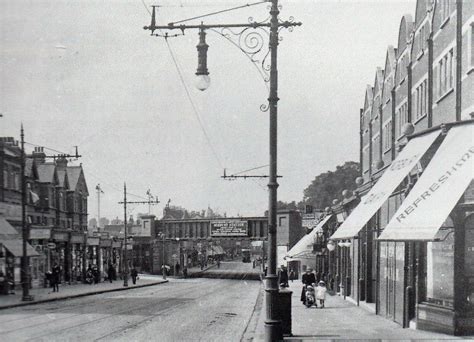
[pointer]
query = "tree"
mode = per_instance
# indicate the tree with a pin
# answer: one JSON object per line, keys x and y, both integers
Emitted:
{"x": 287, "y": 205}
{"x": 329, "y": 185}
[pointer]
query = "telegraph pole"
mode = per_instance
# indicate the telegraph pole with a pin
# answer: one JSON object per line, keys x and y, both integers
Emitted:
{"x": 124, "y": 202}
{"x": 25, "y": 264}
{"x": 125, "y": 259}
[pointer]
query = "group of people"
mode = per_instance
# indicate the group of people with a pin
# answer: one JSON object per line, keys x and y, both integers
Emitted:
{"x": 309, "y": 283}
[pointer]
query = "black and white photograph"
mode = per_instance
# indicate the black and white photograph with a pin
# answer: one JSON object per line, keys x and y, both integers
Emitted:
{"x": 236, "y": 170}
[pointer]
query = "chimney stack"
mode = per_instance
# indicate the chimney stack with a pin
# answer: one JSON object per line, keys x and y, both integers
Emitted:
{"x": 38, "y": 154}
{"x": 61, "y": 163}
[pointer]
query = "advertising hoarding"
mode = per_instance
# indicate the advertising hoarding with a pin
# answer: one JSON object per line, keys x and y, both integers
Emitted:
{"x": 229, "y": 228}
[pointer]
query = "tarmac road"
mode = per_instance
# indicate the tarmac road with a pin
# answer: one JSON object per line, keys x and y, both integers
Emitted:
{"x": 183, "y": 309}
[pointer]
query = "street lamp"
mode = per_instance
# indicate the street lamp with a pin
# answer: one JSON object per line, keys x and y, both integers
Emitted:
{"x": 272, "y": 322}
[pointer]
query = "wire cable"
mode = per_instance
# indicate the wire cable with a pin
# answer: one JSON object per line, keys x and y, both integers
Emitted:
{"x": 217, "y": 12}
{"x": 254, "y": 168}
{"x": 195, "y": 111}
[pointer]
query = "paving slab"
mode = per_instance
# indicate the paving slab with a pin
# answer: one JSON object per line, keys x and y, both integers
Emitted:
{"x": 342, "y": 320}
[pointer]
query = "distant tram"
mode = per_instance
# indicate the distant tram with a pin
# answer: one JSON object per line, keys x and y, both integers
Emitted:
{"x": 245, "y": 255}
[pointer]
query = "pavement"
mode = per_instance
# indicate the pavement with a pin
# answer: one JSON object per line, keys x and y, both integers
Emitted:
{"x": 44, "y": 295}
{"x": 339, "y": 320}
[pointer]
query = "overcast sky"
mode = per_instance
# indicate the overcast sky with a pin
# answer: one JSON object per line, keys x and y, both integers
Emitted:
{"x": 86, "y": 73}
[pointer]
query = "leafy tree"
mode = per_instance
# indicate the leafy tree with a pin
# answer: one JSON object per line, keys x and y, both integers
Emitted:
{"x": 329, "y": 185}
{"x": 287, "y": 205}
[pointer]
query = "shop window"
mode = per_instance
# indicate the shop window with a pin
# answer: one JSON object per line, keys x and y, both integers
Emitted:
{"x": 440, "y": 269}
{"x": 281, "y": 221}
{"x": 469, "y": 258}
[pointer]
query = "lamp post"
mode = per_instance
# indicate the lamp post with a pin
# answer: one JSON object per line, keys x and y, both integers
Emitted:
{"x": 272, "y": 322}
{"x": 330, "y": 246}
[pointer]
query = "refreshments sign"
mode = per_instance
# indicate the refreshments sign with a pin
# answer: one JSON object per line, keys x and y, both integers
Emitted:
{"x": 229, "y": 228}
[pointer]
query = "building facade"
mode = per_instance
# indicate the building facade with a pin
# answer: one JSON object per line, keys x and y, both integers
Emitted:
{"x": 56, "y": 210}
{"x": 424, "y": 94}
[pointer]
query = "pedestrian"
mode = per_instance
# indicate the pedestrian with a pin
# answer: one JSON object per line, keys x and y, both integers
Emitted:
{"x": 308, "y": 278}
{"x": 110, "y": 272}
{"x": 292, "y": 275}
{"x": 177, "y": 269}
{"x": 283, "y": 276}
{"x": 218, "y": 263}
{"x": 56, "y": 273}
{"x": 134, "y": 275}
{"x": 89, "y": 275}
{"x": 185, "y": 272}
{"x": 321, "y": 293}
{"x": 96, "y": 274}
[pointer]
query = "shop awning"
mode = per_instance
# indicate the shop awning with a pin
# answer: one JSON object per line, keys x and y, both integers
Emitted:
{"x": 15, "y": 247}
{"x": 305, "y": 245}
{"x": 388, "y": 182}
{"x": 437, "y": 191}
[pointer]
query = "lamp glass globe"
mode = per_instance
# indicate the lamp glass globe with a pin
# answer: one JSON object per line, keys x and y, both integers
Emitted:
{"x": 202, "y": 82}
{"x": 331, "y": 246}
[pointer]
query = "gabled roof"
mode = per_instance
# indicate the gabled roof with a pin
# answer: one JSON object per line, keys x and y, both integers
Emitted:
{"x": 76, "y": 178}
{"x": 369, "y": 97}
{"x": 31, "y": 170}
{"x": 378, "y": 83}
{"x": 390, "y": 60}
{"x": 47, "y": 173}
{"x": 406, "y": 27}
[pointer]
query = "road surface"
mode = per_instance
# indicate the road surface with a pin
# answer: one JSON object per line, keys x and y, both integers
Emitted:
{"x": 183, "y": 309}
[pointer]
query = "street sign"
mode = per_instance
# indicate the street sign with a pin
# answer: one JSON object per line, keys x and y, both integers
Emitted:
{"x": 51, "y": 245}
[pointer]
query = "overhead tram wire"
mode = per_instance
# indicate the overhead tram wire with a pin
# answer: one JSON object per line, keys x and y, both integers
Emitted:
{"x": 195, "y": 111}
{"x": 254, "y": 168}
{"x": 217, "y": 12}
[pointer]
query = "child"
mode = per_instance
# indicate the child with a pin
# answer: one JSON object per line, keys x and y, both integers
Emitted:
{"x": 321, "y": 293}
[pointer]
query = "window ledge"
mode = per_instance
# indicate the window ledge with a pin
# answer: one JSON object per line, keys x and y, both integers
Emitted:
{"x": 445, "y": 95}
{"x": 445, "y": 21}
{"x": 402, "y": 80}
{"x": 401, "y": 137}
{"x": 387, "y": 101}
{"x": 470, "y": 70}
{"x": 387, "y": 150}
{"x": 420, "y": 118}
{"x": 420, "y": 54}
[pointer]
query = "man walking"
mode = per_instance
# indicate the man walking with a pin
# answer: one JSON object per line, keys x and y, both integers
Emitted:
{"x": 56, "y": 277}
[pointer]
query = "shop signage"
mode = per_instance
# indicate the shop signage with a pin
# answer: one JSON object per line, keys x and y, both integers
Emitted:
{"x": 77, "y": 239}
{"x": 105, "y": 243}
{"x": 60, "y": 236}
{"x": 40, "y": 233}
{"x": 129, "y": 246}
{"x": 116, "y": 244}
{"x": 229, "y": 228}
{"x": 51, "y": 245}
{"x": 92, "y": 241}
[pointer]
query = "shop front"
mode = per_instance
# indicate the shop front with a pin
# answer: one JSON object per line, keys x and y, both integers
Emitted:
{"x": 60, "y": 253}
{"x": 436, "y": 218}
{"x": 39, "y": 238}
{"x": 92, "y": 251}
{"x": 105, "y": 256}
{"x": 368, "y": 270}
{"x": 78, "y": 256}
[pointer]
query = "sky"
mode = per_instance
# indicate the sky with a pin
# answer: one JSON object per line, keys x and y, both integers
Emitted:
{"x": 86, "y": 74}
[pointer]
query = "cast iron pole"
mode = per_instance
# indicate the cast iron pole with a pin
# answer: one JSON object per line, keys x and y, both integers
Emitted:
{"x": 125, "y": 275}
{"x": 272, "y": 323}
{"x": 25, "y": 274}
